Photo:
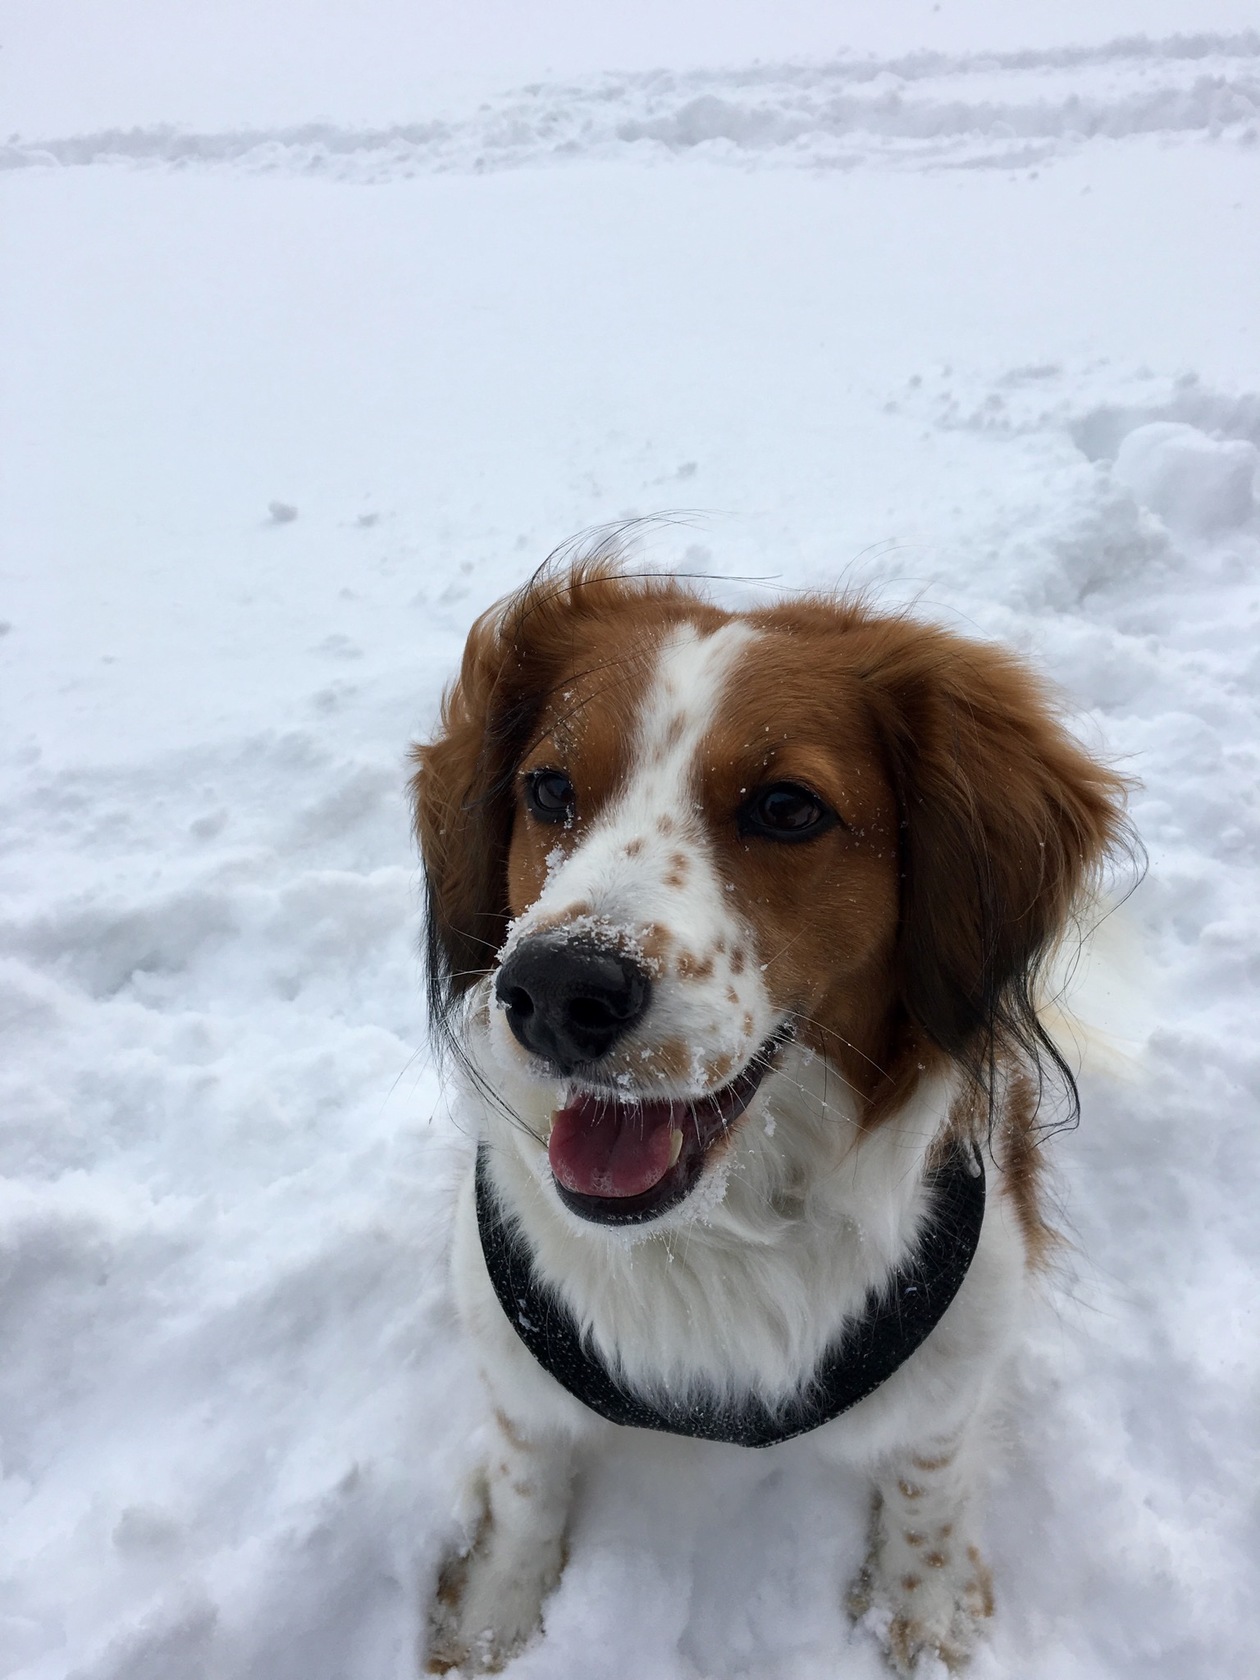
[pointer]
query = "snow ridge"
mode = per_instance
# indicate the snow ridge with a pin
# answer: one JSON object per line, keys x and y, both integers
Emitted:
{"x": 994, "y": 109}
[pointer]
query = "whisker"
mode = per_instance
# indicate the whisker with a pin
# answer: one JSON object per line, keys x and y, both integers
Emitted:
{"x": 813, "y": 1021}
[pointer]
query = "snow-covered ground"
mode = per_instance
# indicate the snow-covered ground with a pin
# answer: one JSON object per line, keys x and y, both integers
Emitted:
{"x": 285, "y": 406}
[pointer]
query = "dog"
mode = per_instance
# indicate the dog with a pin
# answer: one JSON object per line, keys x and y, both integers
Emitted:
{"x": 735, "y": 926}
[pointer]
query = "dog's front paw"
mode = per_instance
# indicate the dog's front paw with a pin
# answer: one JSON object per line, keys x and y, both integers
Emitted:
{"x": 930, "y": 1604}
{"x": 488, "y": 1603}
{"x": 489, "y": 1597}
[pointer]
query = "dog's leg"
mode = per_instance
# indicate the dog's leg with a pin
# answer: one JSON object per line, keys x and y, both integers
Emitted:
{"x": 489, "y": 1598}
{"x": 924, "y": 1582}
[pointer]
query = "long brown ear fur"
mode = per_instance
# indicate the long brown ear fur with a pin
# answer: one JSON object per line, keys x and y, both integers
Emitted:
{"x": 461, "y": 802}
{"x": 462, "y": 792}
{"x": 1005, "y": 823}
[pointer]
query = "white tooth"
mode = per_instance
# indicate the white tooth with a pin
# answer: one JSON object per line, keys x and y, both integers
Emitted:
{"x": 675, "y": 1145}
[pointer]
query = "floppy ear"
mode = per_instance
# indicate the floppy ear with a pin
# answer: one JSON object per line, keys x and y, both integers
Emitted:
{"x": 1005, "y": 821}
{"x": 462, "y": 803}
{"x": 462, "y": 792}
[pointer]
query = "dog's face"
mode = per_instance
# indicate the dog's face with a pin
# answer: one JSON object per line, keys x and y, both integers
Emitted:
{"x": 690, "y": 885}
{"x": 668, "y": 841}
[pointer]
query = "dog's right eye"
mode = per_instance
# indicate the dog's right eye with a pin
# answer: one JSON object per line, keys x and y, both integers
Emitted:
{"x": 549, "y": 795}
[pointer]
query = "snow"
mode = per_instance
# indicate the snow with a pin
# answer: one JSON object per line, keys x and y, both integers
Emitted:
{"x": 1195, "y": 483}
{"x": 978, "y": 109}
{"x": 285, "y": 408}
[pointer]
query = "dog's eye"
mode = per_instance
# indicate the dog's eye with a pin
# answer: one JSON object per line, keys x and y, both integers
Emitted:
{"x": 784, "y": 811}
{"x": 549, "y": 795}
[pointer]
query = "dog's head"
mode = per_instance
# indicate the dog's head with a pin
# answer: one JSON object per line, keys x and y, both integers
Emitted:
{"x": 662, "y": 840}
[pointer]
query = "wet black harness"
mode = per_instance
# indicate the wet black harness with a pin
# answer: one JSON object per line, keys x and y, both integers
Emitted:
{"x": 897, "y": 1320}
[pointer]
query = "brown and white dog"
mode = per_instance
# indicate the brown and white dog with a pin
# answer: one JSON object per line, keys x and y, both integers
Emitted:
{"x": 735, "y": 921}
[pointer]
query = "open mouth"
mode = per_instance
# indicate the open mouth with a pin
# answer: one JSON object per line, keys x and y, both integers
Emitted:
{"x": 621, "y": 1163}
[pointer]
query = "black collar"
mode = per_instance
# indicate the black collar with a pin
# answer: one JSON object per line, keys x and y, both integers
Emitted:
{"x": 896, "y": 1321}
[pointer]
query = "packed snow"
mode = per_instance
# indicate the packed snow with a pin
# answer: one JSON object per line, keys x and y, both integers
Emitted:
{"x": 287, "y": 403}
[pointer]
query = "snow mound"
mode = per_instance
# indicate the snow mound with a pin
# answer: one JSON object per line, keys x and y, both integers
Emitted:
{"x": 1193, "y": 482}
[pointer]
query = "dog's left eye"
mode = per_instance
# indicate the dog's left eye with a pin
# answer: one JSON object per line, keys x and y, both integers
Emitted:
{"x": 549, "y": 795}
{"x": 784, "y": 811}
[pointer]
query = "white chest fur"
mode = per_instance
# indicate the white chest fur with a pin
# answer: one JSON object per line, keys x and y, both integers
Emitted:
{"x": 743, "y": 1288}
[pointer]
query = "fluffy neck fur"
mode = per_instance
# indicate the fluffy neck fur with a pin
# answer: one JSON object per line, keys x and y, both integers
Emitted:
{"x": 744, "y": 1286}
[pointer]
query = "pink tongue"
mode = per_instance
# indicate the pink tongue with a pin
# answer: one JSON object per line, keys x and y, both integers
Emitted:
{"x": 604, "y": 1148}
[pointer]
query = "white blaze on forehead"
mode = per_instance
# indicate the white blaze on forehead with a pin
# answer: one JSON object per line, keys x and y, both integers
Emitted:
{"x": 679, "y": 708}
{"x": 619, "y": 866}
{"x": 644, "y": 877}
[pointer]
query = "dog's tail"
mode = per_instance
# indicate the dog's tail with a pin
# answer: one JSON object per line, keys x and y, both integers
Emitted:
{"x": 1098, "y": 997}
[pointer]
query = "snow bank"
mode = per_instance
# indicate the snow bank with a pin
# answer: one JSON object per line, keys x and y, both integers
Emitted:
{"x": 1196, "y": 483}
{"x": 993, "y": 109}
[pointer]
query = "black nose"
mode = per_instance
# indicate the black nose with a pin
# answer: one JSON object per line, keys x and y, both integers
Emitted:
{"x": 570, "y": 1002}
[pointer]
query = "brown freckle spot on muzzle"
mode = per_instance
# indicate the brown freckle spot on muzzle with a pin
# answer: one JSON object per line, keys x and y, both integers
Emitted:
{"x": 738, "y": 958}
{"x": 691, "y": 967}
{"x": 653, "y": 944}
{"x": 562, "y": 918}
{"x": 912, "y": 1537}
{"x": 732, "y": 997}
{"x": 910, "y": 1583}
{"x": 675, "y": 879}
{"x": 909, "y": 1490}
{"x": 671, "y": 1060}
{"x": 718, "y": 1071}
{"x": 936, "y": 1560}
{"x": 666, "y": 824}
{"x": 633, "y": 848}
